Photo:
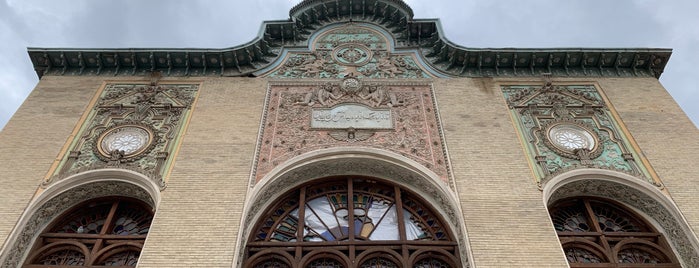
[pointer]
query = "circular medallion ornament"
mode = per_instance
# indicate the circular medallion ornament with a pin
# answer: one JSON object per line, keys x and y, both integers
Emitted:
{"x": 352, "y": 54}
{"x": 130, "y": 140}
{"x": 351, "y": 85}
{"x": 567, "y": 139}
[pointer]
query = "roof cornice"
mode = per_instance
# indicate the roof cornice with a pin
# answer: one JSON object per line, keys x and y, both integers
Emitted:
{"x": 423, "y": 35}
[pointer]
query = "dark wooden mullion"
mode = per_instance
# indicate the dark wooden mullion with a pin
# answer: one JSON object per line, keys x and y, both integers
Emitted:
{"x": 108, "y": 224}
{"x": 358, "y": 243}
{"x": 401, "y": 227}
{"x": 350, "y": 218}
{"x": 602, "y": 238}
{"x": 300, "y": 224}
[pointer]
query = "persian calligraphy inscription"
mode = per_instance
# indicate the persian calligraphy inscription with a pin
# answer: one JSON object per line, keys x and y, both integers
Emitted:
{"x": 351, "y": 115}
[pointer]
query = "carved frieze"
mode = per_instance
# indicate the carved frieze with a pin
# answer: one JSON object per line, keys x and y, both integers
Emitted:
{"x": 132, "y": 126}
{"x": 398, "y": 117}
{"x": 565, "y": 127}
{"x": 350, "y": 50}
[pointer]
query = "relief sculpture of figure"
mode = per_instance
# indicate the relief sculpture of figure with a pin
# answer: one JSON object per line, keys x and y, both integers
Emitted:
{"x": 314, "y": 68}
{"x": 378, "y": 95}
{"x": 387, "y": 67}
{"x": 323, "y": 95}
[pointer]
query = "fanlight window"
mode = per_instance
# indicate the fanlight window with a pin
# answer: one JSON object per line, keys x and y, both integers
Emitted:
{"x": 98, "y": 233}
{"x": 601, "y": 233}
{"x": 351, "y": 222}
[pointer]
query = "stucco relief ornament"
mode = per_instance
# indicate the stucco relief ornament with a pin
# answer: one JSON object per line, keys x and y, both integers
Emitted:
{"x": 323, "y": 95}
{"x": 351, "y": 85}
{"x": 351, "y": 134}
{"x": 352, "y": 54}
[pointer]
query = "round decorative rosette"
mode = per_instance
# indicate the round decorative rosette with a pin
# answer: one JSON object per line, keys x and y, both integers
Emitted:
{"x": 351, "y": 85}
{"x": 129, "y": 140}
{"x": 568, "y": 138}
{"x": 352, "y": 54}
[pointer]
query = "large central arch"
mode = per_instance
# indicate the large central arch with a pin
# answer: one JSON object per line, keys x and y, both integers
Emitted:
{"x": 360, "y": 161}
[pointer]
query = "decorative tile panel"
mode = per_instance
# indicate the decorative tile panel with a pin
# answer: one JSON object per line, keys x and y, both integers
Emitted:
{"x": 354, "y": 113}
{"x": 564, "y": 127}
{"x": 133, "y": 126}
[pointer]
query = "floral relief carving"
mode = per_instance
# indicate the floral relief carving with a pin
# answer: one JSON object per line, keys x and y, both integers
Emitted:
{"x": 346, "y": 50}
{"x": 566, "y": 127}
{"x": 415, "y": 131}
{"x": 132, "y": 126}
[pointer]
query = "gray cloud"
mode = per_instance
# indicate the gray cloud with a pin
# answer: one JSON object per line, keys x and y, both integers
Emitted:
{"x": 225, "y": 23}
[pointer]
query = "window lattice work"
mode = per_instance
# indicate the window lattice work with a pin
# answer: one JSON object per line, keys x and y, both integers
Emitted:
{"x": 106, "y": 232}
{"x": 360, "y": 221}
{"x": 600, "y": 233}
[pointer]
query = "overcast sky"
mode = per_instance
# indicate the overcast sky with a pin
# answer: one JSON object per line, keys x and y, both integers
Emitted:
{"x": 225, "y": 23}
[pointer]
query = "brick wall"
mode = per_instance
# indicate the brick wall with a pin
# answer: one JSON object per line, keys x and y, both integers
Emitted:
{"x": 508, "y": 224}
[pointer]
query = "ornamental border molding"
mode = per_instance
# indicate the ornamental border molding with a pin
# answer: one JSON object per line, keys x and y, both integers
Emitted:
{"x": 645, "y": 198}
{"x": 535, "y": 109}
{"x": 348, "y": 161}
{"x": 346, "y": 135}
{"x": 160, "y": 109}
{"x": 65, "y": 194}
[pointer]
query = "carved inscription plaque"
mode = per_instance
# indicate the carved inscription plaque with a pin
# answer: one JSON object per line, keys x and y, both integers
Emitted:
{"x": 351, "y": 115}
{"x": 397, "y": 117}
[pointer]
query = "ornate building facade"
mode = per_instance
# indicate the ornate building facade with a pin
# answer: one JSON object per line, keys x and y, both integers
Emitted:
{"x": 349, "y": 135}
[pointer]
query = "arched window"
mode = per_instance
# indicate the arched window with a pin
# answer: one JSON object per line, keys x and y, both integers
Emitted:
{"x": 602, "y": 233}
{"x": 102, "y": 232}
{"x": 351, "y": 222}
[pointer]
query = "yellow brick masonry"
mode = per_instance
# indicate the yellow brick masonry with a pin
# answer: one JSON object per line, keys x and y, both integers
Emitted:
{"x": 665, "y": 134}
{"x": 508, "y": 224}
{"x": 196, "y": 224}
{"x": 33, "y": 138}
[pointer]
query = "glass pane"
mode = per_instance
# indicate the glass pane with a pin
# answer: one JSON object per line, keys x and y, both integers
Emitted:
{"x": 379, "y": 263}
{"x": 324, "y": 263}
{"x": 131, "y": 220}
{"x": 571, "y": 219}
{"x": 580, "y": 255}
{"x": 634, "y": 255}
{"x": 431, "y": 263}
{"x": 63, "y": 257}
{"x": 125, "y": 258}
{"x": 387, "y": 228}
{"x": 329, "y": 221}
{"x": 612, "y": 220}
{"x": 86, "y": 220}
{"x": 272, "y": 263}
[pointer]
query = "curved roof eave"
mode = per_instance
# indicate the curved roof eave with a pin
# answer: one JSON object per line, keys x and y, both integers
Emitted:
{"x": 426, "y": 35}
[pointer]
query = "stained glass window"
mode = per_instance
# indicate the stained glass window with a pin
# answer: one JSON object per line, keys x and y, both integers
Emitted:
{"x": 351, "y": 216}
{"x": 602, "y": 233}
{"x": 97, "y": 233}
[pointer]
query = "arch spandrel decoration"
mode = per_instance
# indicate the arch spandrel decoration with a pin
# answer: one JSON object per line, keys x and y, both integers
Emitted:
{"x": 360, "y": 50}
{"x": 643, "y": 198}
